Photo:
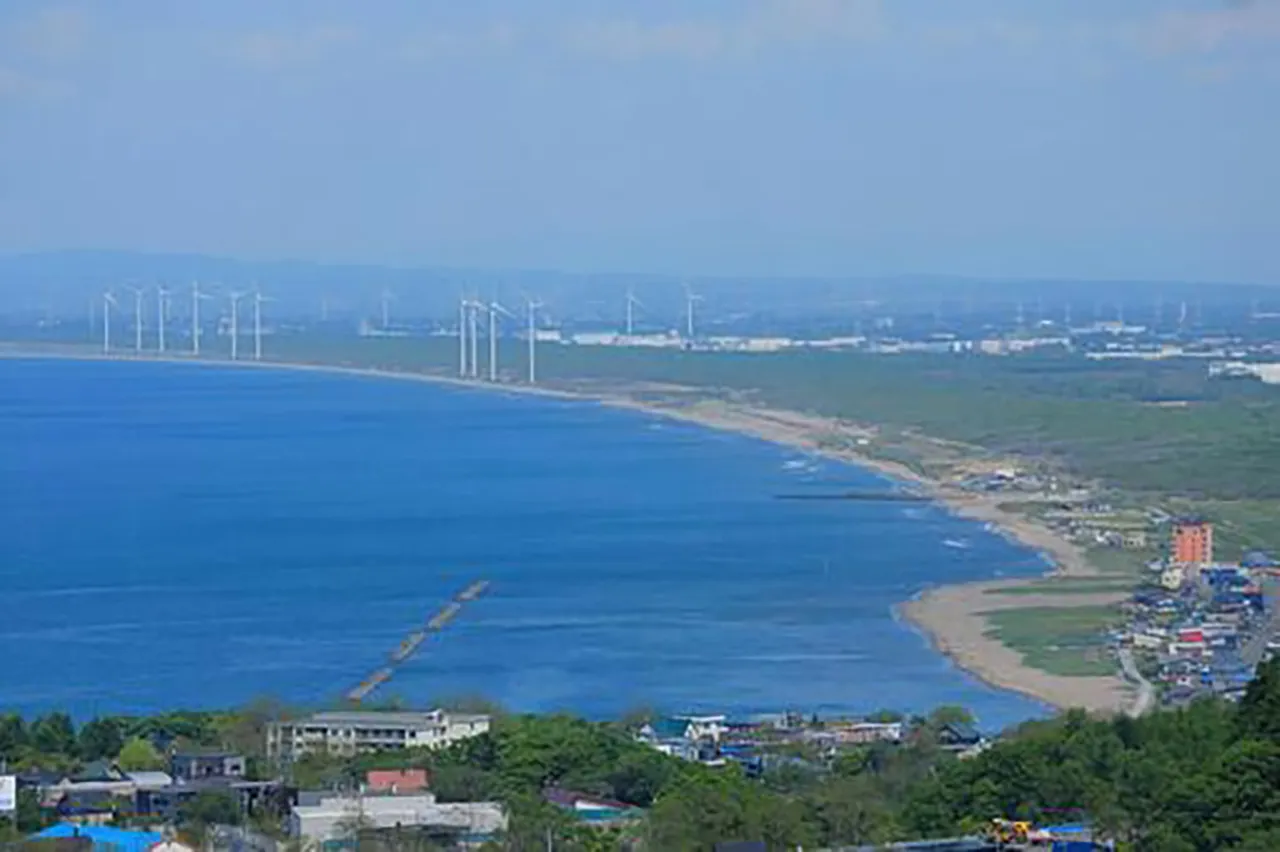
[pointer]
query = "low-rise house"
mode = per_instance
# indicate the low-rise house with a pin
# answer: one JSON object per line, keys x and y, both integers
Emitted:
{"x": 868, "y": 732}
{"x": 692, "y": 728}
{"x": 191, "y": 765}
{"x": 166, "y": 802}
{"x": 959, "y": 736}
{"x": 595, "y": 810}
{"x": 354, "y": 732}
{"x": 340, "y": 818}
{"x": 1172, "y": 577}
{"x": 396, "y": 782}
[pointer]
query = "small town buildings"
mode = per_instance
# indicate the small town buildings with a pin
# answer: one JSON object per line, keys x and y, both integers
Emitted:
{"x": 355, "y": 732}
{"x": 338, "y": 818}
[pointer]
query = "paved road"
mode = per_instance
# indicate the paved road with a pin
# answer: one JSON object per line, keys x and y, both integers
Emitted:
{"x": 1146, "y": 697}
{"x": 1256, "y": 648}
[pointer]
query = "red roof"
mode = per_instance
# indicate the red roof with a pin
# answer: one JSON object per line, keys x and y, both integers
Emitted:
{"x": 396, "y": 780}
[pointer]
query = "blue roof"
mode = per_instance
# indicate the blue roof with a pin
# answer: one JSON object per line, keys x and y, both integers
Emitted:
{"x": 668, "y": 728}
{"x": 104, "y": 838}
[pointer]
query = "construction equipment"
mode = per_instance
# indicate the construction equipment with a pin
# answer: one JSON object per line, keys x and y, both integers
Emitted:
{"x": 1012, "y": 832}
{"x": 411, "y": 643}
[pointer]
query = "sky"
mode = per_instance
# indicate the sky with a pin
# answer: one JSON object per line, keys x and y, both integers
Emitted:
{"x": 1002, "y": 138}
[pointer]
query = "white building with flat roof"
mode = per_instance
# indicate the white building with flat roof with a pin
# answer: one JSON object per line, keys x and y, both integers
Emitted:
{"x": 353, "y": 732}
{"x": 335, "y": 818}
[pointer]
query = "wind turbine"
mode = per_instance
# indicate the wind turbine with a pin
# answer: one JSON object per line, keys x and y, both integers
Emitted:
{"x": 235, "y": 323}
{"x": 196, "y": 296}
{"x": 258, "y": 299}
{"x": 533, "y": 306}
{"x": 162, "y": 309}
{"x": 689, "y": 299}
{"x": 473, "y": 320}
{"x": 462, "y": 336}
{"x": 632, "y": 304}
{"x": 494, "y": 310}
{"x": 387, "y": 298}
{"x": 137, "y": 319}
{"x": 108, "y": 301}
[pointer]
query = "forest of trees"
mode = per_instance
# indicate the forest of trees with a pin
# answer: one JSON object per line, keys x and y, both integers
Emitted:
{"x": 1202, "y": 778}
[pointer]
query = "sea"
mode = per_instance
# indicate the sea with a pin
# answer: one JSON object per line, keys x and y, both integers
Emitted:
{"x": 192, "y": 536}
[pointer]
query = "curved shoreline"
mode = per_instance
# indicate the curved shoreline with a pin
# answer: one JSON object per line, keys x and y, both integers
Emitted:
{"x": 951, "y": 617}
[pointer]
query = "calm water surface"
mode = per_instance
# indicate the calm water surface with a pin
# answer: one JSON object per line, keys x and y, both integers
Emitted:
{"x": 195, "y": 536}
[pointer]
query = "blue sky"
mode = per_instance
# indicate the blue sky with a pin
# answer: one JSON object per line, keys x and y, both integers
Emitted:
{"x": 1057, "y": 138}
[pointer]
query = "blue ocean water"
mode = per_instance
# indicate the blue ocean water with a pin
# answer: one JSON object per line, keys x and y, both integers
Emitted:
{"x": 184, "y": 536}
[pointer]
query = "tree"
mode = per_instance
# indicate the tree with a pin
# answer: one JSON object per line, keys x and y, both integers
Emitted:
{"x": 139, "y": 755}
{"x": 13, "y": 735}
{"x": 1260, "y": 707}
{"x": 209, "y": 808}
{"x": 949, "y": 714}
{"x": 99, "y": 738}
{"x": 704, "y": 808}
{"x": 54, "y": 734}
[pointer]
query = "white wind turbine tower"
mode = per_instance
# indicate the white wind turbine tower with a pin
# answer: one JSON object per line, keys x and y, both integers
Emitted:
{"x": 137, "y": 319}
{"x": 473, "y": 321}
{"x": 387, "y": 298}
{"x": 258, "y": 299}
{"x": 533, "y": 306}
{"x": 162, "y": 310}
{"x": 494, "y": 310}
{"x": 632, "y": 304}
{"x": 108, "y": 301}
{"x": 462, "y": 336}
{"x": 196, "y": 296}
{"x": 689, "y": 299}
{"x": 235, "y": 323}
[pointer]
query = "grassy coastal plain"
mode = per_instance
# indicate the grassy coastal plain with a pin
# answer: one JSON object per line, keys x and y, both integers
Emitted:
{"x": 931, "y": 423}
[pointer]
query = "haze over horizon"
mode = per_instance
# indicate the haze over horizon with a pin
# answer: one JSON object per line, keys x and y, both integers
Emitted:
{"x": 1080, "y": 139}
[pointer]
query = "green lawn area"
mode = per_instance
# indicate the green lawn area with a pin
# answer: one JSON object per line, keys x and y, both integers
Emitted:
{"x": 1059, "y": 640}
{"x": 1080, "y": 586}
{"x": 1117, "y": 561}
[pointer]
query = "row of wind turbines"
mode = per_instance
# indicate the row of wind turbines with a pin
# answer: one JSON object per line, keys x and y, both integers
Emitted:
{"x": 163, "y": 301}
{"x": 469, "y": 311}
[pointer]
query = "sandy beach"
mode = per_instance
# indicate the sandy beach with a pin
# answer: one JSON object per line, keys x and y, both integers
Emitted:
{"x": 952, "y": 617}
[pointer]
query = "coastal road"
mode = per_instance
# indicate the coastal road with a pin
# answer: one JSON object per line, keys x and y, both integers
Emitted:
{"x": 1146, "y": 697}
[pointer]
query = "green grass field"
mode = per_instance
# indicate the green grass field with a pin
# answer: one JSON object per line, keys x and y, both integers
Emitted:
{"x": 1081, "y": 586}
{"x": 1060, "y": 640}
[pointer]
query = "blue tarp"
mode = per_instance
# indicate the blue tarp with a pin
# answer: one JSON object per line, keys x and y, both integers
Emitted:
{"x": 104, "y": 838}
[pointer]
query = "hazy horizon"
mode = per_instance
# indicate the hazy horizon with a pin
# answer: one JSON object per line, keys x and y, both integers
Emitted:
{"x": 761, "y": 138}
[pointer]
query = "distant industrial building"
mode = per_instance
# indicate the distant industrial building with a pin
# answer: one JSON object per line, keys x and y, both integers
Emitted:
{"x": 354, "y": 732}
{"x": 1268, "y": 373}
{"x": 1192, "y": 543}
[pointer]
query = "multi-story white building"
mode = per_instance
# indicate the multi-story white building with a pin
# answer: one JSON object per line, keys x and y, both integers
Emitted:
{"x": 352, "y": 732}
